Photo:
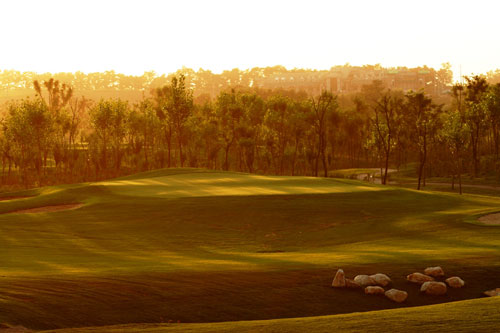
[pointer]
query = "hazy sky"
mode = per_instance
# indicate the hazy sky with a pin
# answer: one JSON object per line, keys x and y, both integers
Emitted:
{"x": 136, "y": 36}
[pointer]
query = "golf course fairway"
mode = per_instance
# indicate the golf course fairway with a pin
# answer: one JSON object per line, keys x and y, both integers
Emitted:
{"x": 200, "y": 246}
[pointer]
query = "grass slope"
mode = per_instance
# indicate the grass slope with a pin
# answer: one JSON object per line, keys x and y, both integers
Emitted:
{"x": 198, "y": 246}
{"x": 480, "y": 315}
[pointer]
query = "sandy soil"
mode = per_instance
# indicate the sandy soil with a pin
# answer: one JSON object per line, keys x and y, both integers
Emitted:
{"x": 490, "y": 219}
{"x": 48, "y": 209}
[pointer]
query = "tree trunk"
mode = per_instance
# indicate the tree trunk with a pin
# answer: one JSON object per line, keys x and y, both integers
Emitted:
{"x": 386, "y": 167}
{"x": 168, "y": 137}
{"x": 226, "y": 159}
{"x": 420, "y": 172}
{"x": 323, "y": 155}
{"x": 295, "y": 155}
{"x": 179, "y": 141}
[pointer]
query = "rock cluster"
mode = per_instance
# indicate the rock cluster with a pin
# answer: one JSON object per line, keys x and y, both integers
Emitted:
{"x": 371, "y": 284}
{"x": 375, "y": 284}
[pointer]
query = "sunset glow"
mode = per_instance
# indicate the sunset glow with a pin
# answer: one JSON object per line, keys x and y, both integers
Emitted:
{"x": 132, "y": 37}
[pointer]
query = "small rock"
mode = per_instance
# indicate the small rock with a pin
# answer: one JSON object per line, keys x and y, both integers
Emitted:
{"x": 365, "y": 280}
{"x": 381, "y": 279}
{"x": 455, "y": 282}
{"x": 492, "y": 293}
{"x": 374, "y": 290}
{"x": 396, "y": 295}
{"x": 419, "y": 278}
{"x": 434, "y": 271}
{"x": 433, "y": 288}
{"x": 351, "y": 284}
{"x": 339, "y": 280}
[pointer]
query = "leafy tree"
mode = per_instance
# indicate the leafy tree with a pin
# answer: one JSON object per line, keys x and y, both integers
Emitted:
{"x": 276, "y": 119}
{"x": 143, "y": 129}
{"x": 162, "y": 98}
{"x": 29, "y": 129}
{"x": 422, "y": 120}
{"x": 454, "y": 133}
{"x": 322, "y": 106}
{"x": 475, "y": 114}
{"x": 492, "y": 105}
{"x": 56, "y": 99}
{"x": 249, "y": 130}
{"x": 174, "y": 106}
{"x": 229, "y": 112}
{"x": 386, "y": 124}
{"x": 108, "y": 121}
{"x": 180, "y": 108}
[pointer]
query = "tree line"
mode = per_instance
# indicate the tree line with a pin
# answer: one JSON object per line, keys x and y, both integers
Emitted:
{"x": 59, "y": 137}
{"x": 206, "y": 84}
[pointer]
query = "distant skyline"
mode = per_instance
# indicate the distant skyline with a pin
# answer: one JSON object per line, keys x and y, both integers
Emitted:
{"x": 132, "y": 37}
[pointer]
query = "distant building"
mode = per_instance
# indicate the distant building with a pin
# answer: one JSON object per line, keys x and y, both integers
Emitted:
{"x": 344, "y": 79}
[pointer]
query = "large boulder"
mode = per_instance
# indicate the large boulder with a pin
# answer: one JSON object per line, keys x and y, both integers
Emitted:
{"x": 381, "y": 279}
{"x": 434, "y": 271}
{"x": 433, "y": 288}
{"x": 351, "y": 284}
{"x": 419, "y": 278}
{"x": 455, "y": 282}
{"x": 396, "y": 295}
{"x": 339, "y": 280}
{"x": 364, "y": 280}
{"x": 374, "y": 290}
{"x": 494, "y": 292}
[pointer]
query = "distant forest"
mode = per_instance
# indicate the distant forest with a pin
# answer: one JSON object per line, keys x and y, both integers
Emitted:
{"x": 76, "y": 127}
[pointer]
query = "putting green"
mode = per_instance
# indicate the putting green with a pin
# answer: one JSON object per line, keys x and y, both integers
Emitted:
{"x": 231, "y": 184}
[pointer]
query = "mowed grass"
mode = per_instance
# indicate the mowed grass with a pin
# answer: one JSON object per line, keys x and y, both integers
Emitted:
{"x": 480, "y": 315}
{"x": 199, "y": 246}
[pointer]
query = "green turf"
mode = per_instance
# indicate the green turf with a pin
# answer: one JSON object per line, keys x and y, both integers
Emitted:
{"x": 481, "y": 315}
{"x": 197, "y": 246}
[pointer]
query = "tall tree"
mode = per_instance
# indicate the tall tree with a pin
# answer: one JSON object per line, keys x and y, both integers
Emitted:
{"x": 108, "y": 119}
{"x": 29, "y": 127}
{"x": 421, "y": 118}
{"x": 229, "y": 112}
{"x": 324, "y": 104}
{"x": 277, "y": 117}
{"x": 180, "y": 108}
{"x": 386, "y": 124}
{"x": 492, "y": 105}
{"x": 475, "y": 115}
{"x": 454, "y": 133}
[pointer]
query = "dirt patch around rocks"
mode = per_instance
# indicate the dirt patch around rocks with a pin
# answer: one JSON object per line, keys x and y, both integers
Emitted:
{"x": 490, "y": 219}
{"x": 48, "y": 209}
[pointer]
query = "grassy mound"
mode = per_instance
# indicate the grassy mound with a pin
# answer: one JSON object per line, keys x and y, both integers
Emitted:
{"x": 198, "y": 246}
{"x": 480, "y": 315}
